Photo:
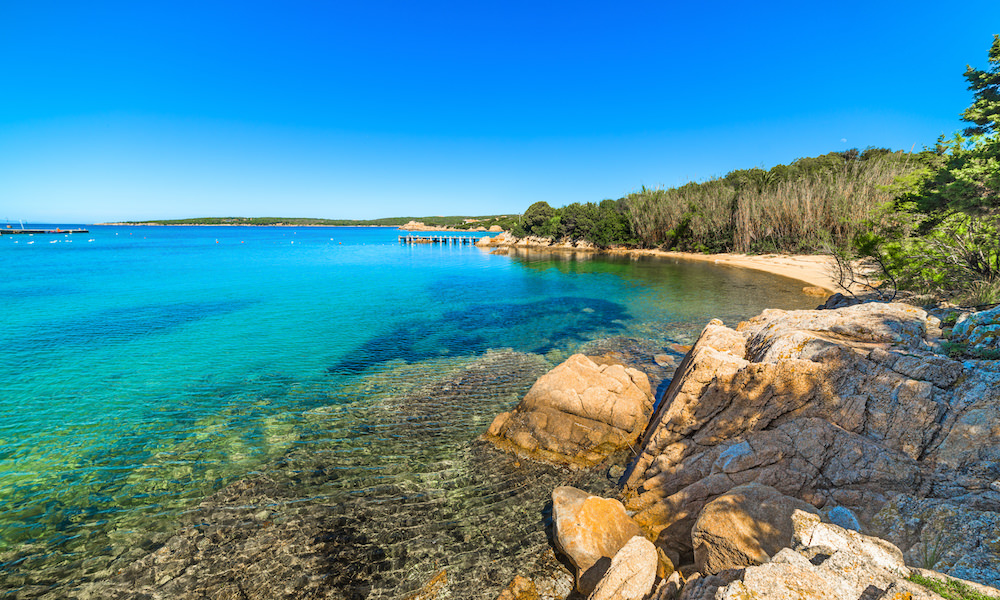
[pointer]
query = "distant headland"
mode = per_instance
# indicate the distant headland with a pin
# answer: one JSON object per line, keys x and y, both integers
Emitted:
{"x": 482, "y": 223}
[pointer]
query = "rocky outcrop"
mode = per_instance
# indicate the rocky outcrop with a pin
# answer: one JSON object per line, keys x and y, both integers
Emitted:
{"x": 848, "y": 408}
{"x": 590, "y": 531}
{"x": 413, "y": 226}
{"x": 577, "y": 414}
{"x": 823, "y": 561}
{"x": 943, "y": 535}
{"x": 506, "y": 239}
{"x": 980, "y": 330}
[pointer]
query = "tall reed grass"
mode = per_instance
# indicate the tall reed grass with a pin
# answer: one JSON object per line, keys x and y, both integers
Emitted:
{"x": 760, "y": 212}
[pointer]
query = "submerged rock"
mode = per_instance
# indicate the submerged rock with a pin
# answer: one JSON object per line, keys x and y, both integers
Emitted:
{"x": 577, "y": 414}
{"x": 366, "y": 513}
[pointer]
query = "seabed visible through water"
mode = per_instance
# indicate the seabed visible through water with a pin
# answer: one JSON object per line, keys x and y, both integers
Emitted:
{"x": 263, "y": 418}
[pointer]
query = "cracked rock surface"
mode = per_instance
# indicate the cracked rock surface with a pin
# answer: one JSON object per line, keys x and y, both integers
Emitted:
{"x": 839, "y": 408}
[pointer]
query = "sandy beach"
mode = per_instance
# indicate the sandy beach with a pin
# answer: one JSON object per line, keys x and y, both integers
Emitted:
{"x": 815, "y": 270}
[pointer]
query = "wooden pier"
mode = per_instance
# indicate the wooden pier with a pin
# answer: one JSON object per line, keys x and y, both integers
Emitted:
{"x": 12, "y": 231}
{"x": 439, "y": 239}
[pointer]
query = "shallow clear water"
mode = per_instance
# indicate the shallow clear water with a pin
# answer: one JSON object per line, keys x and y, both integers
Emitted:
{"x": 145, "y": 369}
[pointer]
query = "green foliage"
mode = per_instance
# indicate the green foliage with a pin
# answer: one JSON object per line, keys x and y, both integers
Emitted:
{"x": 984, "y": 112}
{"x": 535, "y": 220}
{"x": 964, "y": 172}
{"x": 984, "y": 293}
{"x": 950, "y": 589}
{"x": 612, "y": 226}
{"x": 961, "y": 174}
{"x": 941, "y": 235}
{"x": 695, "y": 216}
{"x": 955, "y": 350}
{"x": 577, "y": 221}
{"x": 958, "y": 257}
{"x": 961, "y": 350}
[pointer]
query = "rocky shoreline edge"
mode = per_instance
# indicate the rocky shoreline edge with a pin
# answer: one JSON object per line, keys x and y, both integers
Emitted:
{"x": 829, "y": 453}
{"x": 803, "y": 454}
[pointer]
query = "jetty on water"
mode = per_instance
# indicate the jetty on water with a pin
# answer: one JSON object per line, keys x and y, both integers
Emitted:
{"x": 11, "y": 231}
{"x": 439, "y": 239}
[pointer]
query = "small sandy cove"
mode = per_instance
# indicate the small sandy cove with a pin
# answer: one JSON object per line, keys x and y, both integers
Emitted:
{"x": 815, "y": 270}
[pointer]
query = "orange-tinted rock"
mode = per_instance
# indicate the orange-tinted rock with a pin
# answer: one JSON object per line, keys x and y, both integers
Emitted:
{"x": 578, "y": 413}
{"x": 521, "y": 588}
{"x": 590, "y": 531}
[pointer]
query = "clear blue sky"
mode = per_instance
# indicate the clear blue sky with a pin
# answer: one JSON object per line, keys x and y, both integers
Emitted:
{"x": 140, "y": 110}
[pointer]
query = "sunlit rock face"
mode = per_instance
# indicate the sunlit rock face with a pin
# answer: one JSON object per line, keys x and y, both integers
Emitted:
{"x": 589, "y": 531}
{"x": 578, "y": 413}
{"x": 746, "y": 526}
{"x": 849, "y": 407}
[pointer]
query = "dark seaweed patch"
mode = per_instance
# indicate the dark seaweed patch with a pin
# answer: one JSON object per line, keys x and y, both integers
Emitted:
{"x": 536, "y": 327}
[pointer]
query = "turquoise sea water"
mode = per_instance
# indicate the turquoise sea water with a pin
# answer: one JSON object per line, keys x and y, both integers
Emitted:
{"x": 145, "y": 368}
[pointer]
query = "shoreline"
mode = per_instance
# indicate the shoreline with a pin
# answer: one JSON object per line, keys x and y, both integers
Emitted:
{"x": 232, "y": 225}
{"x": 813, "y": 269}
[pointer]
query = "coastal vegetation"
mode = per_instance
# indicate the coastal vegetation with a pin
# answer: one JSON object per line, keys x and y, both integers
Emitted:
{"x": 806, "y": 206}
{"x": 927, "y": 221}
{"x": 941, "y": 233}
{"x": 802, "y": 207}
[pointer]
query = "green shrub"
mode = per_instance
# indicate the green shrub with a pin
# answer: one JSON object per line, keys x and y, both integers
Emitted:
{"x": 949, "y": 589}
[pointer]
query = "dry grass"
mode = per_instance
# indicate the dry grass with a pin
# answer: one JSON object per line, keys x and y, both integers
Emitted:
{"x": 803, "y": 214}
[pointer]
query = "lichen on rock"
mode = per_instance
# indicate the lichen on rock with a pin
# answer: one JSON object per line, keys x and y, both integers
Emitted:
{"x": 980, "y": 330}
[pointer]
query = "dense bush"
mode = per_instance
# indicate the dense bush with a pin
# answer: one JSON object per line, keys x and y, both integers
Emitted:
{"x": 941, "y": 235}
{"x": 603, "y": 224}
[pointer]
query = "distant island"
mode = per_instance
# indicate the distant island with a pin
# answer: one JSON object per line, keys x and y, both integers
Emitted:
{"x": 451, "y": 222}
